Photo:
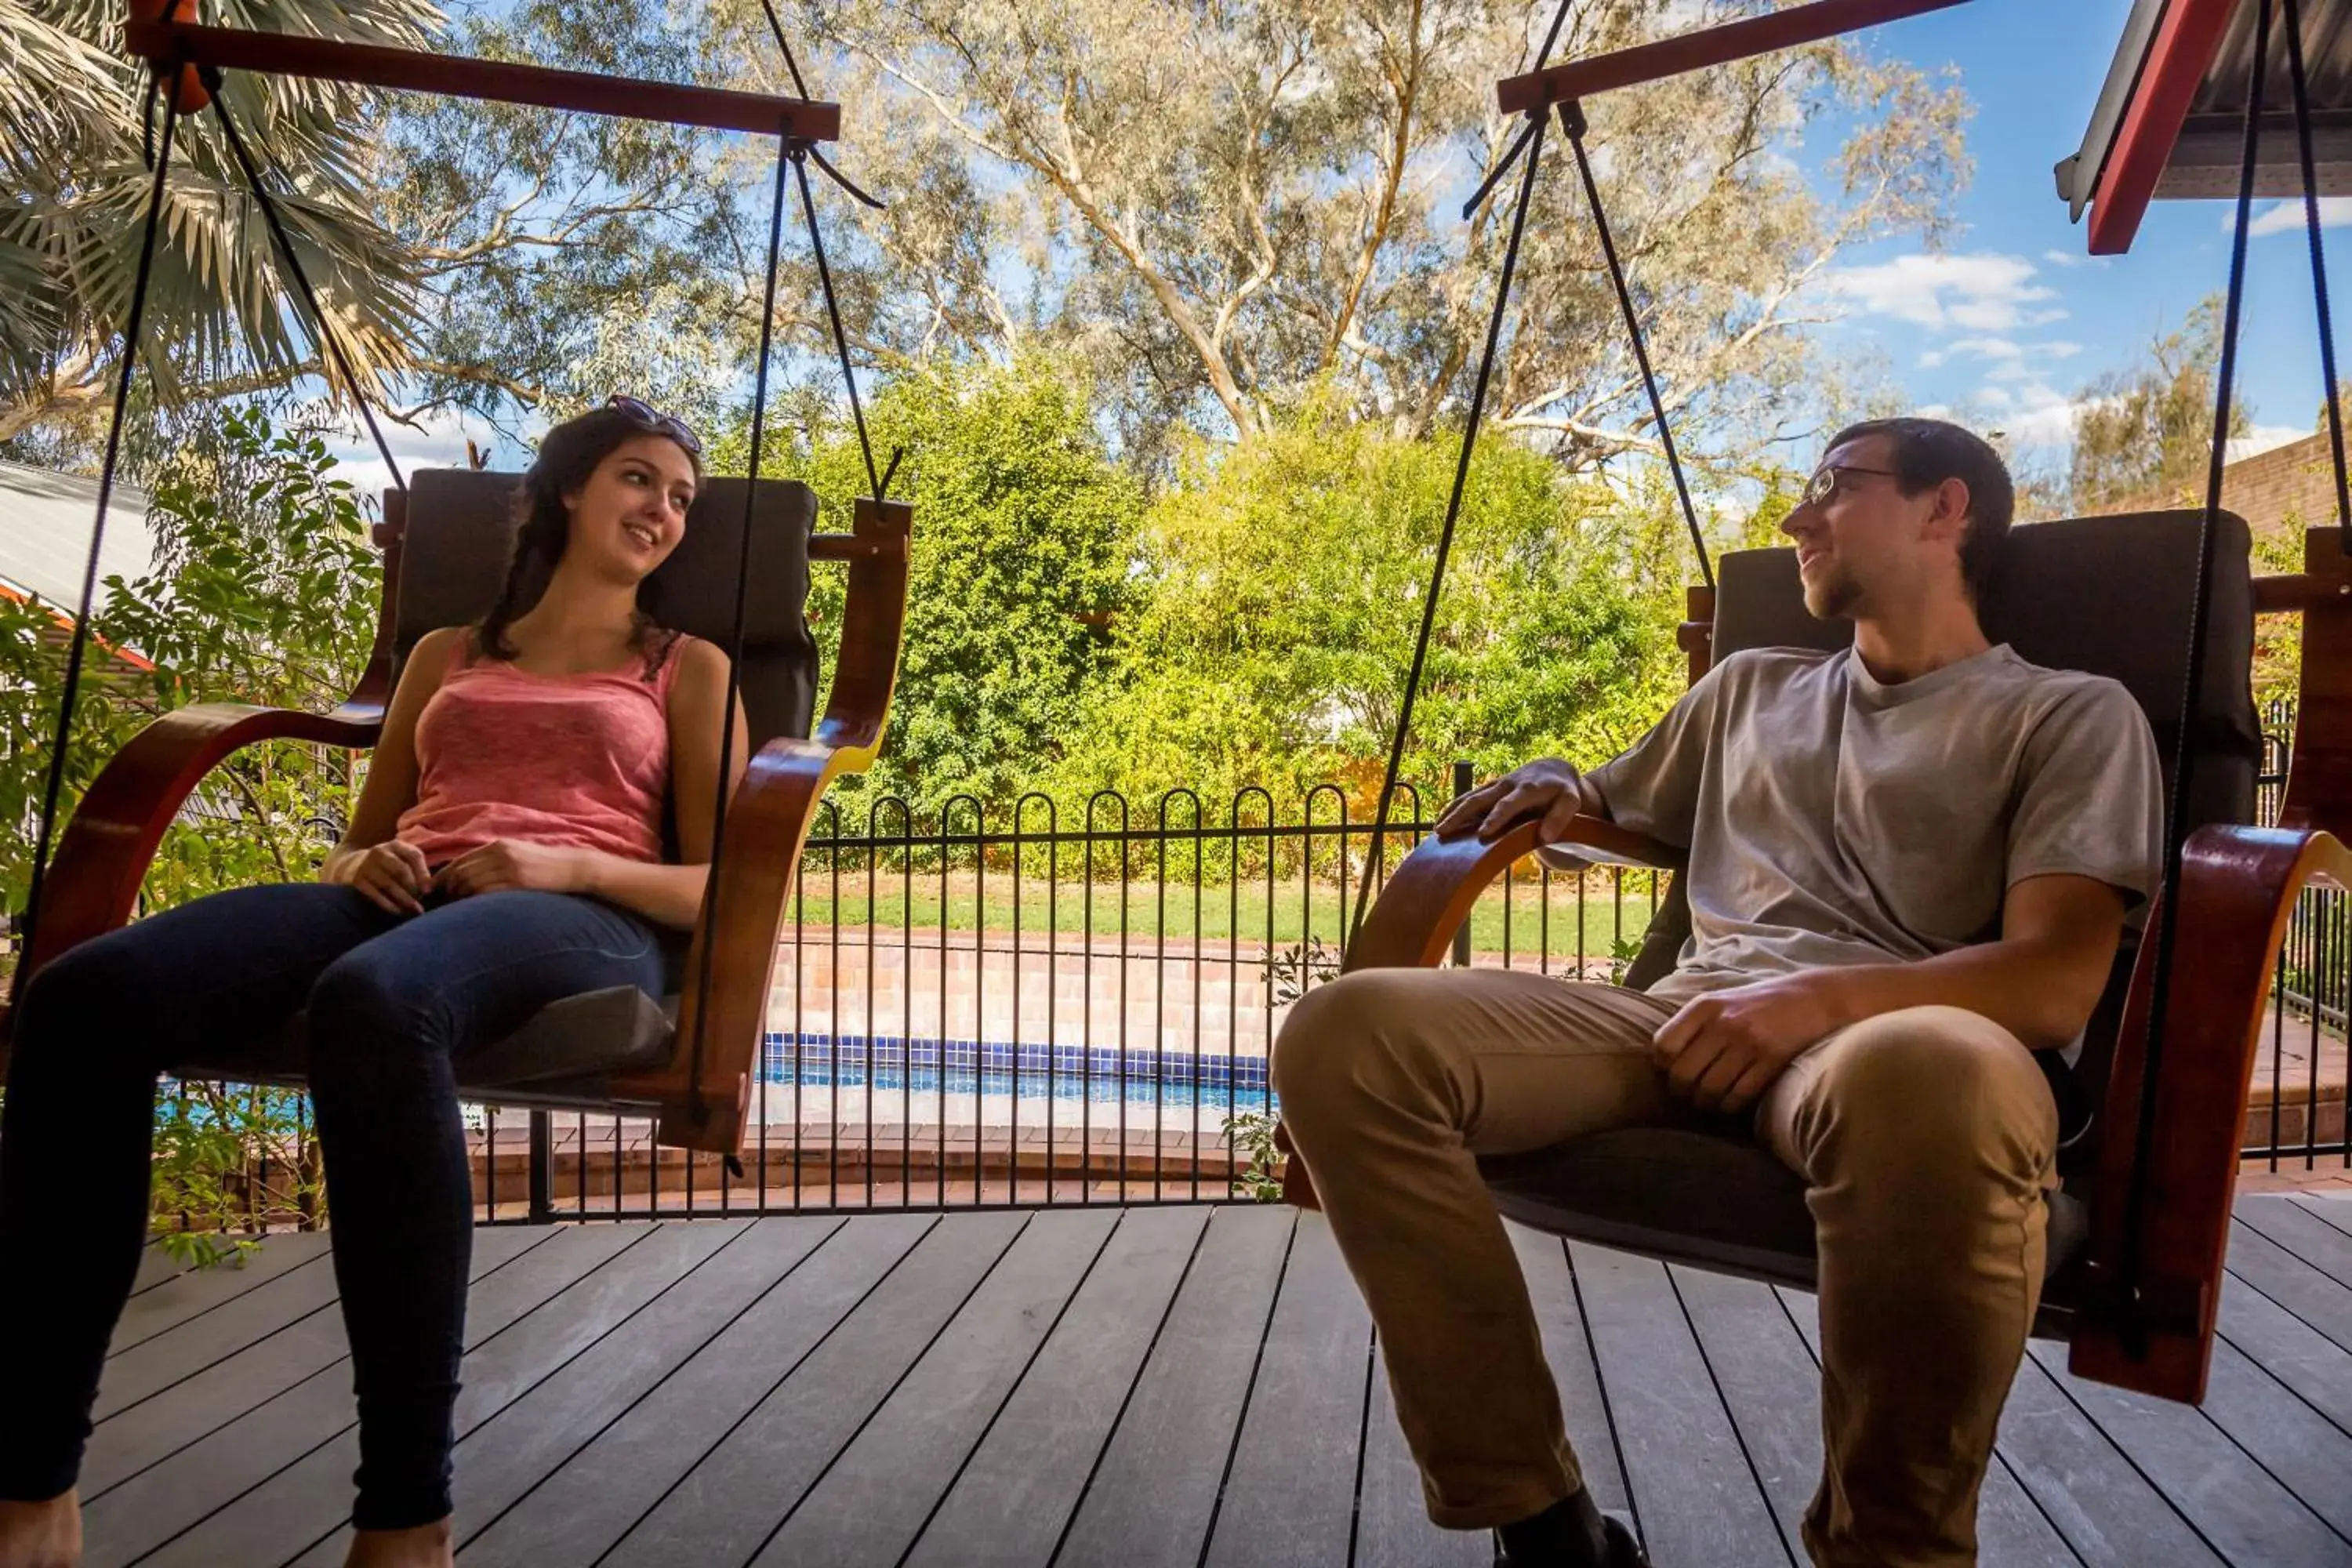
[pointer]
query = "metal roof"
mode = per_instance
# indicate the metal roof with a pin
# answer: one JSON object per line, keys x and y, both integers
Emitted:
{"x": 2171, "y": 120}
{"x": 45, "y": 524}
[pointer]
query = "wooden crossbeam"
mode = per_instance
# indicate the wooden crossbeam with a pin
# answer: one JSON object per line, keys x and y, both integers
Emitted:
{"x": 497, "y": 82}
{"x": 1708, "y": 47}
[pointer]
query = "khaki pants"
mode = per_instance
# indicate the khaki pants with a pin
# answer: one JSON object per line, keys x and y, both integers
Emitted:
{"x": 1927, "y": 1139}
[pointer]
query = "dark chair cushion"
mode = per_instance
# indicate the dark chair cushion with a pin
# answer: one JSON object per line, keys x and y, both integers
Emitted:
{"x": 2108, "y": 594}
{"x": 1708, "y": 1199}
{"x": 570, "y": 1043}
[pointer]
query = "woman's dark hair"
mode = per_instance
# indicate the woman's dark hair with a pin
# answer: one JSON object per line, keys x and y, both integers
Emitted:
{"x": 1929, "y": 451}
{"x": 567, "y": 456}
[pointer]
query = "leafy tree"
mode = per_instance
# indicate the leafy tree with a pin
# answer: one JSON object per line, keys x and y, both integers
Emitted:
{"x": 2145, "y": 435}
{"x": 1222, "y": 205}
{"x": 1025, "y": 534}
{"x": 1285, "y": 579}
{"x": 263, "y": 590}
{"x": 217, "y": 322}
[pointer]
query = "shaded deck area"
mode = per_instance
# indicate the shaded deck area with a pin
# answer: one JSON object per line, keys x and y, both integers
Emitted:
{"x": 1179, "y": 1386}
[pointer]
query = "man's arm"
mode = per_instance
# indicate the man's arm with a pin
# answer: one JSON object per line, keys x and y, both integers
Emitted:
{"x": 2040, "y": 979}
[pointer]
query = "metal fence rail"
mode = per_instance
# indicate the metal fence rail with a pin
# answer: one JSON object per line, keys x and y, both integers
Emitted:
{"x": 1016, "y": 1005}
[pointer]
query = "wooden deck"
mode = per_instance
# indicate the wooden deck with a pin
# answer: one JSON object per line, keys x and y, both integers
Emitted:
{"x": 1189, "y": 1387}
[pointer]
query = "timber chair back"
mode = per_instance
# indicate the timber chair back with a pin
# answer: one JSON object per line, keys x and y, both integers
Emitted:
{"x": 446, "y": 544}
{"x": 2112, "y": 596}
{"x": 460, "y": 534}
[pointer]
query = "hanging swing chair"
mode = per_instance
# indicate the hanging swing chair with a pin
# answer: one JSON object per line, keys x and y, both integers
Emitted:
{"x": 739, "y": 578}
{"x": 2162, "y": 602}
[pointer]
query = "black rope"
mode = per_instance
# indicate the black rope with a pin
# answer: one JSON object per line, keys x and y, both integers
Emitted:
{"x": 833, "y": 311}
{"x": 1453, "y": 516}
{"x": 776, "y": 25}
{"x": 326, "y": 337}
{"x": 2318, "y": 270}
{"x": 2131, "y": 1322}
{"x": 1571, "y": 120}
{"x": 698, "y": 1106}
{"x": 78, "y": 644}
{"x": 1502, "y": 166}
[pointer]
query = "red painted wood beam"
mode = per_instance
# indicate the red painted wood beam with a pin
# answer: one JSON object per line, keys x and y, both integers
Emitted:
{"x": 499, "y": 81}
{"x": 2177, "y": 58}
{"x": 1709, "y": 47}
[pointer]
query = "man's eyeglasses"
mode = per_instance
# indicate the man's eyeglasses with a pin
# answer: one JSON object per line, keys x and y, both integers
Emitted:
{"x": 1824, "y": 483}
{"x": 656, "y": 421}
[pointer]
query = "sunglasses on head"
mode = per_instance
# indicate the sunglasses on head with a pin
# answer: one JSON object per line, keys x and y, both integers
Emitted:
{"x": 653, "y": 419}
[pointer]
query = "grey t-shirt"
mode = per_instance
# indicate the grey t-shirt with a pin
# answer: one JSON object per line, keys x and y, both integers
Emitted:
{"x": 1834, "y": 819}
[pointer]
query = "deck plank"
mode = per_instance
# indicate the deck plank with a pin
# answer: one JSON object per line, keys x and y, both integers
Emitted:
{"x": 196, "y": 1291}
{"x": 517, "y": 1363}
{"x": 1289, "y": 1492}
{"x": 2294, "y": 1284}
{"x": 2315, "y": 1368}
{"x": 726, "y": 1506}
{"x": 1150, "y": 1499}
{"x": 2300, "y": 1232}
{"x": 208, "y": 1482}
{"x": 869, "y": 1507}
{"x": 129, "y": 1441}
{"x": 2308, "y": 1453}
{"x": 1695, "y": 1490}
{"x": 2106, "y": 1509}
{"x": 1392, "y": 1523}
{"x": 1015, "y": 1496}
{"x": 2240, "y": 1509}
{"x": 1770, "y": 1383}
{"x": 499, "y": 1461}
{"x": 180, "y": 1352}
{"x": 1567, "y": 1349}
{"x": 579, "y": 1512}
{"x": 156, "y": 1267}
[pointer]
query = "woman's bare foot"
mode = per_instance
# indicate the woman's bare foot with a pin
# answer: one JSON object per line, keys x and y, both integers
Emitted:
{"x": 426, "y": 1546}
{"x": 41, "y": 1534}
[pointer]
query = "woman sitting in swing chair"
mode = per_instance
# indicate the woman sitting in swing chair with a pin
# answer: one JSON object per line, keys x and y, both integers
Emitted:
{"x": 506, "y": 851}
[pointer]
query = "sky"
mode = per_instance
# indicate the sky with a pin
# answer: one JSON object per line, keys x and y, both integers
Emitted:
{"x": 2015, "y": 316}
{"x": 2012, "y": 316}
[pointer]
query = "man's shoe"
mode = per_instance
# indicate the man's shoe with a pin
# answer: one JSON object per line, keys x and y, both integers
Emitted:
{"x": 1623, "y": 1550}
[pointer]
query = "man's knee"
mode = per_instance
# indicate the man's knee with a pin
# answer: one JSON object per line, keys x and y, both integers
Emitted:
{"x": 85, "y": 992}
{"x": 1345, "y": 1042}
{"x": 1932, "y": 1095}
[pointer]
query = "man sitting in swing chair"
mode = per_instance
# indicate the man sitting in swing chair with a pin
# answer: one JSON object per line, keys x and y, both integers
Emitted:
{"x": 1910, "y": 869}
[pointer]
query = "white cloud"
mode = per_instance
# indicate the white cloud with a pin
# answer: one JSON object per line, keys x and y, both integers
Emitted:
{"x": 2068, "y": 259}
{"x": 2033, "y": 414}
{"x": 2263, "y": 438}
{"x": 437, "y": 441}
{"x": 2013, "y": 361}
{"x": 1984, "y": 292}
{"x": 2286, "y": 217}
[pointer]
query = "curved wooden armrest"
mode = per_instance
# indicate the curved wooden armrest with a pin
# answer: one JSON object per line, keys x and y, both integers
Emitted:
{"x": 2236, "y": 891}
{"x": 767, "y": 823}
{"x": 93, "y": 881}
{"x": 1412, "y": 924}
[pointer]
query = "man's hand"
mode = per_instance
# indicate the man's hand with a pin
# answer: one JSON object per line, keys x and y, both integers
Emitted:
{"x": 1550, "y": 789}
{"x": 508, "y": 865}
{"x": 1721, "y": 1051}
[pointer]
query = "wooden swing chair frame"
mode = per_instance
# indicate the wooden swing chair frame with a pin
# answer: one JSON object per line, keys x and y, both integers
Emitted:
{"x": 2138, "y": 1305}
{"x": 702, "y": 1098}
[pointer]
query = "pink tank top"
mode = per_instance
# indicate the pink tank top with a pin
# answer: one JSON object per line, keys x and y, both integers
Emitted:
{"x": 573, "y": 762}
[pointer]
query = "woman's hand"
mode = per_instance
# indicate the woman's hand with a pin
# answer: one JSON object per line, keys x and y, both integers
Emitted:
{"x": 1551, "y": 790}
{"x": 508, "y": 865}
{"x": 392, "y": 875}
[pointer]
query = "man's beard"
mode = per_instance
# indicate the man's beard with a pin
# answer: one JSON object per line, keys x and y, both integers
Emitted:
{"x": 1833, "y": 597}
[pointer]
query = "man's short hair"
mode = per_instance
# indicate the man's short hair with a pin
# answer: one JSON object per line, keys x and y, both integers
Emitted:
{"x": 1929, "y": 451}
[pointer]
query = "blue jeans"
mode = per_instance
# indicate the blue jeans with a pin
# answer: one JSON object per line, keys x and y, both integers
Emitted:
{"x": 394, "y": 1003}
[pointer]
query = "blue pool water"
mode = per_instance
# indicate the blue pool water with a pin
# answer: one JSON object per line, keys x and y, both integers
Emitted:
{"x": 922, "y": 1085}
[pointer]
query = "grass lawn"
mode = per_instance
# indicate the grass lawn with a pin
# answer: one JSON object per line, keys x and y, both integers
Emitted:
{"x": 1287, "y": 911}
